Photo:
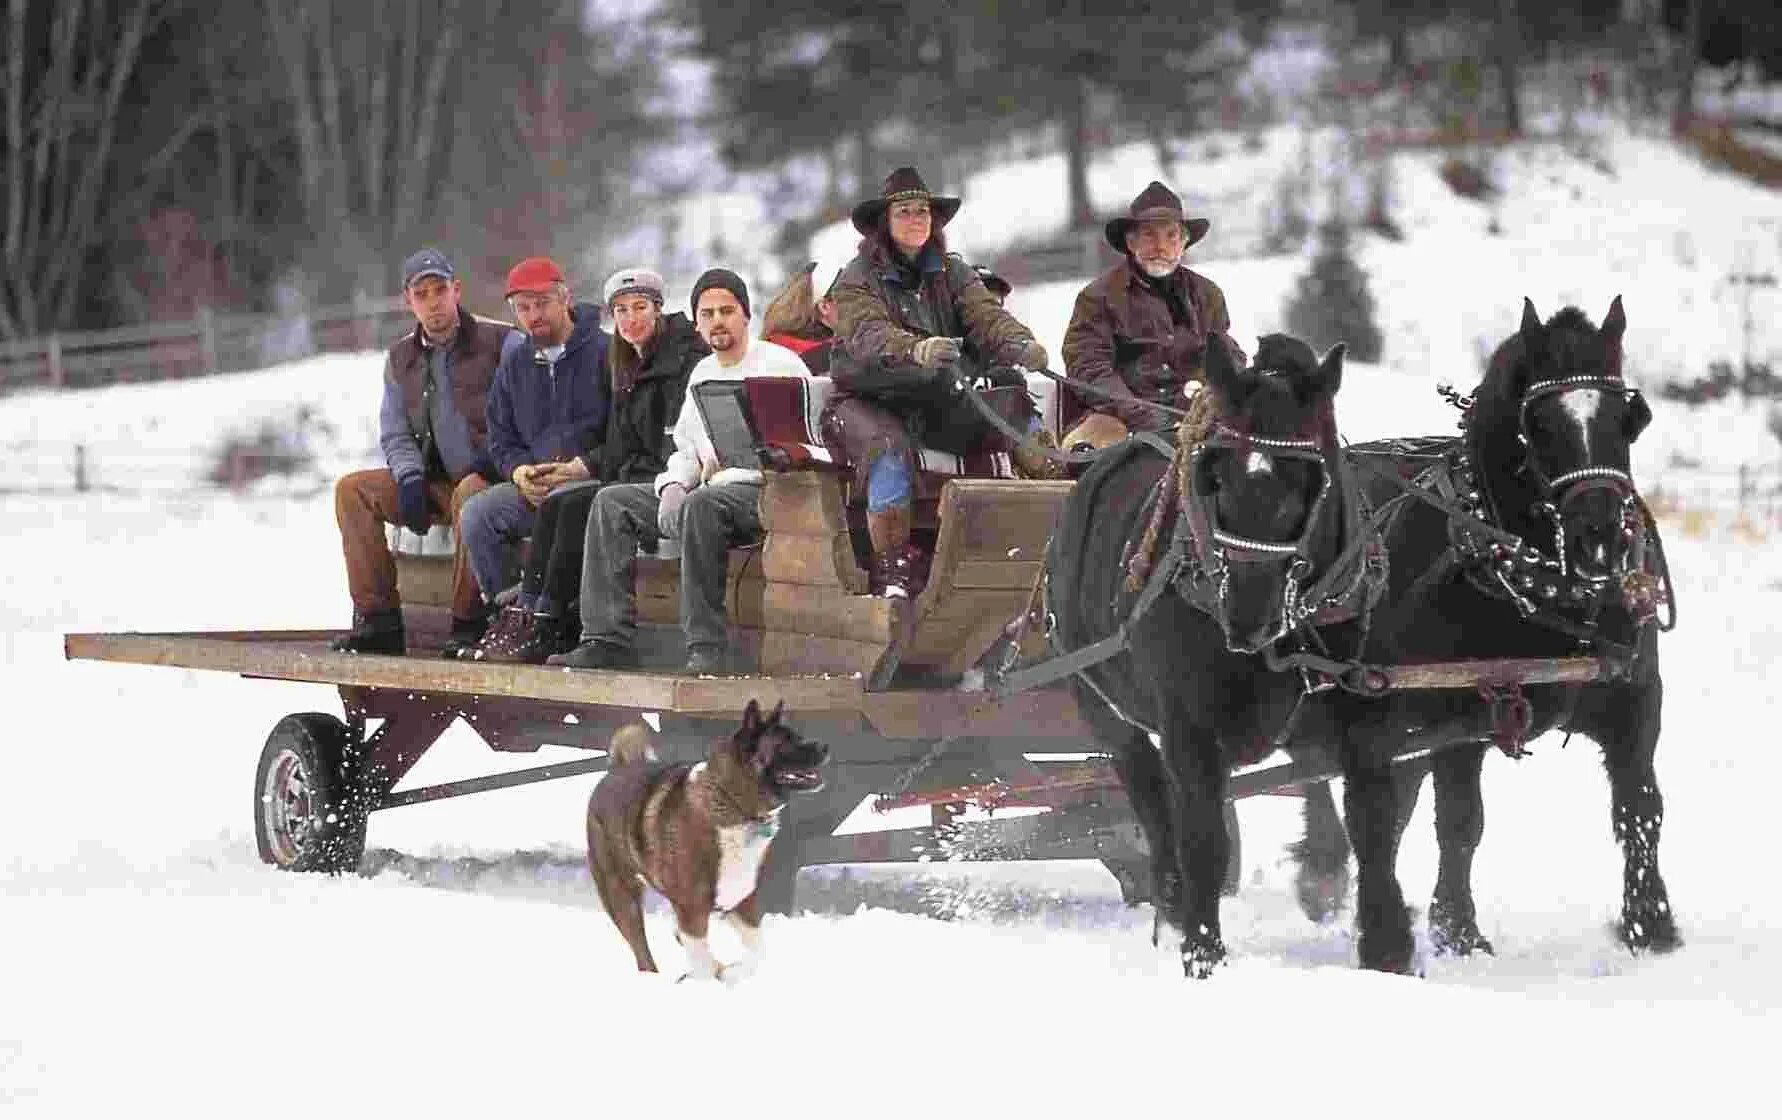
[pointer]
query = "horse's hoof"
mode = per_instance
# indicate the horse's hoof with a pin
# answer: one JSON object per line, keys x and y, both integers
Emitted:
{"x": 1651, "y": 933}
{"x": 1454, "y": 930}
{"x": 1321, "y": 894}
{"x": 1201, "y": 956}
{"x": 1400, "y": 957}
{"x": 1460, "y": 943}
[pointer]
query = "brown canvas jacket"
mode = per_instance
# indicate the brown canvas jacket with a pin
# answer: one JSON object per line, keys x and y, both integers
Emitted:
{"x": 1123, "y": 339}
{"x": 882, "y": 315}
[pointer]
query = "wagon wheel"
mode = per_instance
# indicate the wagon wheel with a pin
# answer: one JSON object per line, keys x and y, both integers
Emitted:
{"x": 304, "y": 819}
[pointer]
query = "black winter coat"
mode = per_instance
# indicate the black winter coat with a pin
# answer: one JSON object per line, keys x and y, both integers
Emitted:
{"x": 637, "y": 439}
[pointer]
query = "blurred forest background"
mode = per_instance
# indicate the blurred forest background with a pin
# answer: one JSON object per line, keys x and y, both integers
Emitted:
{"x": 166, "y": 159}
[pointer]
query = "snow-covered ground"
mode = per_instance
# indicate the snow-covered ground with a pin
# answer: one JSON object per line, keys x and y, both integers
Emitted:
{"x": 148, "y": 961}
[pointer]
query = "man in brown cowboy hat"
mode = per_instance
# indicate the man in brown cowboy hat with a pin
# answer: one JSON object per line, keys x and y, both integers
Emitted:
{"x": 1140, "y": 331}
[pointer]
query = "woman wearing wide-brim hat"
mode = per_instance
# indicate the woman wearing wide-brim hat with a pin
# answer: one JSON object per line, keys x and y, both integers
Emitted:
{"x": 914, "y": 321}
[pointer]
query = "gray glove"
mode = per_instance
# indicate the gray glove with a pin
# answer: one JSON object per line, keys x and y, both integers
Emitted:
{"x": 933, "y": 353}
{"x": 668, "y": 510}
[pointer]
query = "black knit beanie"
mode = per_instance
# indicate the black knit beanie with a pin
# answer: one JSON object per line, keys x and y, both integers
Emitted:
{"x": 725, "y": 279}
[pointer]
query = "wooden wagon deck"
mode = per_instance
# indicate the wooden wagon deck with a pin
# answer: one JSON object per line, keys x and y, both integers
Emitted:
{"x": 882, "y": 681}
{"x": 303, "y": 655}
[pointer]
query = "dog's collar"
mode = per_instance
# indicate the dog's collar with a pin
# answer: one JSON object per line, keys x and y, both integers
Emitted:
{"x": 764, "y": 825}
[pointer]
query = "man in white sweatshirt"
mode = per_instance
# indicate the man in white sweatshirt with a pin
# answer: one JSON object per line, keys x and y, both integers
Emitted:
{"x": 708, "y": 507}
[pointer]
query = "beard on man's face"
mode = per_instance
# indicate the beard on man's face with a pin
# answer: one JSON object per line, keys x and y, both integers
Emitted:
{"x": 1159, "y": 267}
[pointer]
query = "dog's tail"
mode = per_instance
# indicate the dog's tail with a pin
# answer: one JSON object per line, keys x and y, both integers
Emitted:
{"x": 630, "y": 745}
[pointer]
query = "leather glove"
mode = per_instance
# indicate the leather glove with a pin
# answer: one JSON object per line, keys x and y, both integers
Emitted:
{"x": 411, "y": 504}
{"x": 1027, "y": 355}
{"x": 933, "y": 353}
{"x": 668, "y": 510}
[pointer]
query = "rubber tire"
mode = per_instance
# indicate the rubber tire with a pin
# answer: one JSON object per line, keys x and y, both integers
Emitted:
{"x": 315, "y": 745}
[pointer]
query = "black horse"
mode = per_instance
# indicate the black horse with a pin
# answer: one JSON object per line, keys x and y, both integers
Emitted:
{"x": 1256, "y": 514}
{"x": 1546, "y": 439}
{"x": 1280, "y": 567}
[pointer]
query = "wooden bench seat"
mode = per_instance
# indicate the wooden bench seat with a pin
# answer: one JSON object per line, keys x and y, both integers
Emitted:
{"x": 799, "y": 602}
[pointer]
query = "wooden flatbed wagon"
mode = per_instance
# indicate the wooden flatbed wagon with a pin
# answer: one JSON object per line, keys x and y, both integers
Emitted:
{"x": 886, "y": 682}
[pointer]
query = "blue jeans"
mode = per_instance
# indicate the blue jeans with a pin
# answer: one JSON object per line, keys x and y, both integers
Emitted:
{"x": 490, "y": 521}
{"x": 714, "y": 520}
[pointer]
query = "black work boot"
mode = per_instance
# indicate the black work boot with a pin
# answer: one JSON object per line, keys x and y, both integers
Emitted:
{"x": 545, "y": 636}
{"x": 374, "y": 632}
{"x": 466, "y": 633}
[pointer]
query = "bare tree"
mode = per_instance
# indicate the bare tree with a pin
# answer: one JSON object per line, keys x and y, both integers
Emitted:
{"x": 68, "y": 66}
{"x": 1509, "y": 58}
{"x": 431, "y": 119}
{"x": 366, "y": 86}
{"x": 1688, "y": 55}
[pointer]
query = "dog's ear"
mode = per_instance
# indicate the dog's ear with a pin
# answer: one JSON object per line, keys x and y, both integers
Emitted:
{"x": 751, "y": 725}
{"x": 778, "y": 710}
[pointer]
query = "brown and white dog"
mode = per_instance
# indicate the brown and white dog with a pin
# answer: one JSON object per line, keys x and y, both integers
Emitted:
{"x": 699, "y": 833}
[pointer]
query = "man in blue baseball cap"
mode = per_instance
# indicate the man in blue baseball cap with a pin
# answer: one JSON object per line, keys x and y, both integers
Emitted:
{"x": 434, "y": 434}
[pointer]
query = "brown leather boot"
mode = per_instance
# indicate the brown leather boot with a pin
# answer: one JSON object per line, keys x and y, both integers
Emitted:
{"x": 511, "y": 628}
{"x": 546, "y": 637}
{"x": 892, "y": 571}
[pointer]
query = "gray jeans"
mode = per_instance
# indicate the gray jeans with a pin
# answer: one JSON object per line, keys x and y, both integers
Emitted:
{"x": 714, "y": 520}
{"x": 490, "y": 521}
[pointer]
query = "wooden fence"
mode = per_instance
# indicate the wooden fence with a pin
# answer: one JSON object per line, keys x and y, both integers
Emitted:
{"x": 1719, "y": 141}
{"x": 211, "y": 343}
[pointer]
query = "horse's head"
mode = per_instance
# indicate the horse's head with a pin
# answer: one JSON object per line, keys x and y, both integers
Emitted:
{"x": 1576, "y": 421}
{"x": 1260, "y": 484}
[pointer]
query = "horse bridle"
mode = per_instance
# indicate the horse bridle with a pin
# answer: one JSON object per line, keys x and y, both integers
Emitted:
{"x": 1215, "y": 548}
{"x": 1557, "y": 491}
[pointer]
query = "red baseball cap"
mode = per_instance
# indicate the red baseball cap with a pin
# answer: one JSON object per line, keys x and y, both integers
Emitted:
{"x": 534, "y": 274}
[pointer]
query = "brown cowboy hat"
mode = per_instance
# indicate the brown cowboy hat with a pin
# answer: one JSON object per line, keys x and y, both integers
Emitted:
{"x": 903, "y": 185}
{"x": 1154, "y": 202}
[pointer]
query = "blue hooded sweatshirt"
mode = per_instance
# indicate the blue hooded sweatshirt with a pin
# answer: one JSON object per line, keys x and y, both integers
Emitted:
{"x": 542, "y": 411}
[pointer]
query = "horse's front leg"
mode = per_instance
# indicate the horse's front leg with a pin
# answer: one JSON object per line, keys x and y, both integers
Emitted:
{"x": 1627, "y": 726}
{"x": 1148, "y": 790}
{"x": 1459, "y": 823}
{"x": 1196, "y": 773}
{"x": 1370, "y": 808}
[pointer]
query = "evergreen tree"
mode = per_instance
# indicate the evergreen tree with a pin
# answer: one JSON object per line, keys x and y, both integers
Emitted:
{"x": 1331, "y": 302}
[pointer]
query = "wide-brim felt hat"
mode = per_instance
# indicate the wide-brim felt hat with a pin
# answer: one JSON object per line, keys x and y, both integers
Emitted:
{"x": 1156, "y": 202}
{"x": 903, "y": 185}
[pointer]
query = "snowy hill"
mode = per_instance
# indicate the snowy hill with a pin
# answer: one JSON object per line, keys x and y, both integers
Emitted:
{"x": 151, "y": 960}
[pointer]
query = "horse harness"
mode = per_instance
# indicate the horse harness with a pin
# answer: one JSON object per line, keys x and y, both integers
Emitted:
{"x": 1497, "y": 563}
